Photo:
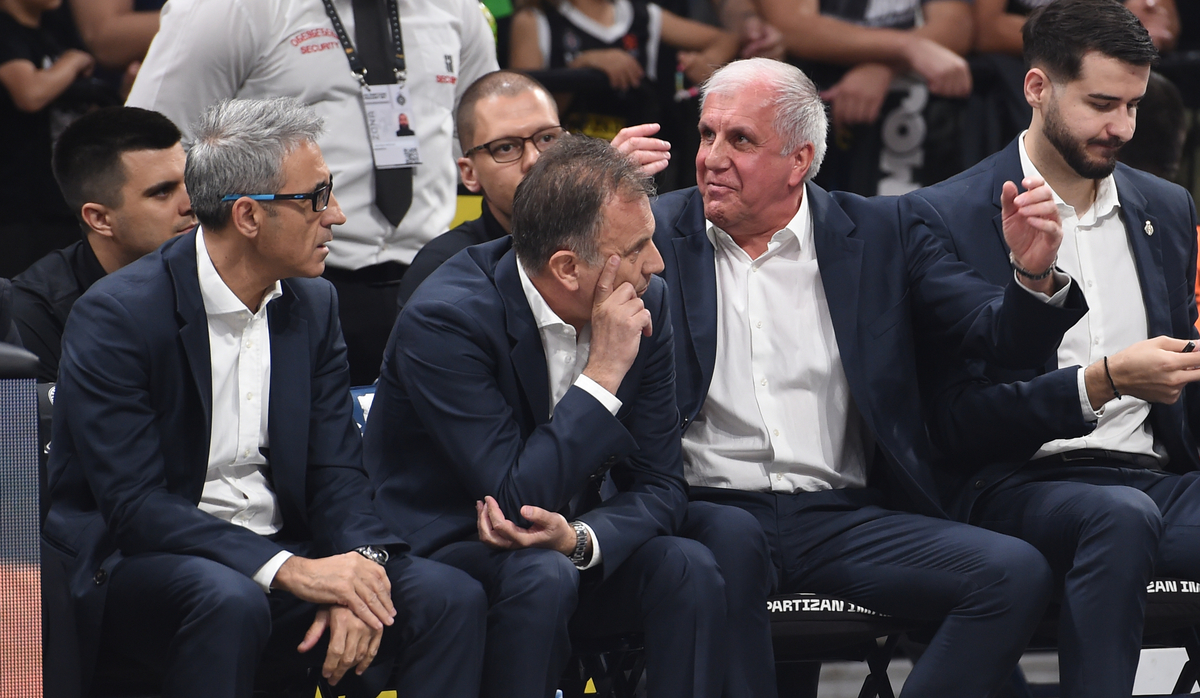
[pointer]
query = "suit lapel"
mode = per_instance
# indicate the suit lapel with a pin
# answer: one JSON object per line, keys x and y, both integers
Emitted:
{"x": 527, "y": 354}
{"x": 180, "y": 259}
{"x": 839, "y": 259}
{"x": 695, "y": 262}
{"x": 1147, "y": 255}
{"x": 287, "y": 413}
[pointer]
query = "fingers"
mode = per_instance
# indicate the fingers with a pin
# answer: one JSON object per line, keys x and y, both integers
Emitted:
{"x": 632, "y": 132}
{"x": 646, "y": 321}
{"x": 1008, "y": 195}
{"x": 372, "y": 651}
{"x": 315, "y": 631}
{"x": 608, "y": 275}
{"x": 334, "y": 666}
{"x": 349, "y": 646}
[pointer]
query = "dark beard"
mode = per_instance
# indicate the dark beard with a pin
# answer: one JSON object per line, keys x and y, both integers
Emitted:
{"x": 1074, "y": 152}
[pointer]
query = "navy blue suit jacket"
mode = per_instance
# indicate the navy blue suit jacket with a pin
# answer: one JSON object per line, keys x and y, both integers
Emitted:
{"x": 462, "y": 410}
{"x": 132, "y": 416}
{"x": 886, "y": 279}
{"x": 989, "y": 420}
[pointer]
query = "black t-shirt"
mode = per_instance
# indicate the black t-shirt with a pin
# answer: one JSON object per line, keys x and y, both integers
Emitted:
{"x": 25, "y": 174}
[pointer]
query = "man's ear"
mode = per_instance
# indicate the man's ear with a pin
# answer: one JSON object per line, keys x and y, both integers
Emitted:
{"x": 802, "y": 161}
{"x": 470, "y": 180}
{"x": 563, "y": 267}
{"x": 247, "y": 217}
{"x": 98, "y": 218}
{"x": 1037, "y": 88}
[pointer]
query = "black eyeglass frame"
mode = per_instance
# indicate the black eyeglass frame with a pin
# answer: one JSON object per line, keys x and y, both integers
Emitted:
{"x": 522, "y": 140}
{"x": 324, "y": 190}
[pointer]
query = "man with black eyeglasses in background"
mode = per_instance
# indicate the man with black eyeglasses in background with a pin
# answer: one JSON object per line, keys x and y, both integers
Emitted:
{"x": 499, "y": 117}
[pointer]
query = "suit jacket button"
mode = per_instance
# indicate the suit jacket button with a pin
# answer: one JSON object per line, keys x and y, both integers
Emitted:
{"x": 100, "y": 577}
{"x": 979, "y": 484}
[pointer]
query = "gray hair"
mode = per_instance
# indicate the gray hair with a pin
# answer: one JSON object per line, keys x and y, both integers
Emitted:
{"x": 560, "y": 203}
{"x": 799, "y": 112}
{"x": 240, "y": 147}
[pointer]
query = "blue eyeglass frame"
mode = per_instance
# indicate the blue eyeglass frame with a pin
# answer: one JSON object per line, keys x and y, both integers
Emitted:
{"x": 324, "y": 189}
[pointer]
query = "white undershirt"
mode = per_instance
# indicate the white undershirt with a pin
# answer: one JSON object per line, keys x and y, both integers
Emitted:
{"x": 1095, "y": 251}
{"x": 779, "y": 415}
{"x": 236, "y": 487}
{"x": 566, "y": 357}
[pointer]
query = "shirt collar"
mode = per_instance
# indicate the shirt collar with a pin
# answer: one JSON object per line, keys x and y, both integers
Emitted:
{"x": 800, "y": 229}
{"x": 218, "y": 298}
{"x": 543, "y": 315}
{"x": 1106, "y": 190}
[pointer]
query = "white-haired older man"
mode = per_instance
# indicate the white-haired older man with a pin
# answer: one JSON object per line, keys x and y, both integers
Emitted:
{"x": 207, "y": 488}
{"x": 795, "y": 313}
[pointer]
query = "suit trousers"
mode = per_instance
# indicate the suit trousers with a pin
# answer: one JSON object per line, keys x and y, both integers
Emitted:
{"x": 669, "y": 589}
{"x": 1105, "y": 530}
{"x": 984, "y": 592}
{"x": 201, "y": 629}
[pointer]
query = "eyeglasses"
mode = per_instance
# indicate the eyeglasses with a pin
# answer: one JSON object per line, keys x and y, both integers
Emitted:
{"x": 319, "y": 196}
{"x": 512, "y": 148}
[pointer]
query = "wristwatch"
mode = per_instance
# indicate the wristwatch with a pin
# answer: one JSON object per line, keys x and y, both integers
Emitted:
{"x": 374, "y": 553}
{"x": 579, "y": 555}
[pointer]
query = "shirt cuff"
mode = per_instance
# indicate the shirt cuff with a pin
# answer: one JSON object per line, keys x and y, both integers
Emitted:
{"x": 1059, "y": 299}
{"x": 610, "y": 401}
{"x": 1085, "y": 403}
{"x": 266, "y": 574}
{"x": 596, "y": 557}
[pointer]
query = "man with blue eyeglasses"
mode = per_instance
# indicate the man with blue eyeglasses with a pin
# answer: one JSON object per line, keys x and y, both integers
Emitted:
{"x": 208, "y": 497}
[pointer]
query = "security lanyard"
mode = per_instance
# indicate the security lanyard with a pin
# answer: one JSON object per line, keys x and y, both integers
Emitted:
{"x": 356, "y": 64}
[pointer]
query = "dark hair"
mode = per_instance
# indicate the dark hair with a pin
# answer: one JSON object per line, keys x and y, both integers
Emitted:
{"x": 508, "y": 83}
{"x": 1058, "y": 36}
{"x": 560, "y": 203}
{"x": 1157, "y": 144}
{"x": 87, "y": 156}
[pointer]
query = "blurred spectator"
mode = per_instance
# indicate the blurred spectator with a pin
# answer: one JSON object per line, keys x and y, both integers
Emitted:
{"x": 208, "y": 50}
{"x": 873, "y": 42}
{"x": 999, "y": 23}
{"x": 45, "y": 87}
{"x": 1157, "y": 144}
{"x": 118, "y": 33}
{"x": 121, "y": 171}
{"x": 622, "y": 38}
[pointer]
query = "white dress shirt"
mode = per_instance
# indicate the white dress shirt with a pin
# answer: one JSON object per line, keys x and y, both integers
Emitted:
{"x": 1095, "y": 251}
{"x": 566, "y": 357}
{"x": 779, "y": 415}
{"x": 236, "y": 488}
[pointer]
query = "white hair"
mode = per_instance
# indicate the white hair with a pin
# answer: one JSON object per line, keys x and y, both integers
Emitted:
{"x": 799, "y": 112}
{"x": 240, "y": 148}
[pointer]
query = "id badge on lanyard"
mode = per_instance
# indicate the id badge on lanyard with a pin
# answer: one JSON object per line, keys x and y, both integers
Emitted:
{"x": 388, "y": 108}
{"x": 390, "y": 126}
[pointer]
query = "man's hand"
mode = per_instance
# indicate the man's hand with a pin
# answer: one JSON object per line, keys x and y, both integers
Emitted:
{"x": 858, "y": 96}
{"x": 351, "y": 642}
{"x": 349, "y": 580}
{"x": 1032, "y": 229}
{"x": 622, "y": 69}
{"x": 945, "y": 72}
{"x": 761, "y": 40}
{"x": 547, "y": 529}
{"x": 1155, "y": 370}
{"x": 619, "y": 321}
{"x": 653, "y": 154}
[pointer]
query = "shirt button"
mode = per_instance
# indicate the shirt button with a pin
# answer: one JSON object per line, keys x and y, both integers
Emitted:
{"x": 246, "y": 453}
{"x": 250, "y": 342}
{"x": 754, "y": 269}
{"x": 775, "y": 432}
{"x": 779, "y": 477}
{"x": 763, "y": 382}
{"x": 1096, "y": 341}
{"x": 249, "y": 396}
{"x": 758, "y": 324}
{"x": 1089, "y": 284}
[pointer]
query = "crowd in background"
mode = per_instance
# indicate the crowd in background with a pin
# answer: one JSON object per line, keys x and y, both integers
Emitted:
{"x": 917, "y": 91}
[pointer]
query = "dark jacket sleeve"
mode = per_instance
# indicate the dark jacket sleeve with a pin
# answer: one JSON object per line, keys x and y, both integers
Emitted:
{"x": 104, "y": 397}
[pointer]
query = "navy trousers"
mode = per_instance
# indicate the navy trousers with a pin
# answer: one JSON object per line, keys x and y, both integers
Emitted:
{"x": 202, "y": 629}
{"x": 1105, "y": 530}
{"x": 670, "y": 589}
{"x": 984, "y": 592}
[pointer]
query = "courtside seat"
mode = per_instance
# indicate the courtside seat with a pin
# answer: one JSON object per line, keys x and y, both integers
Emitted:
{"x": 808, "y": 629}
